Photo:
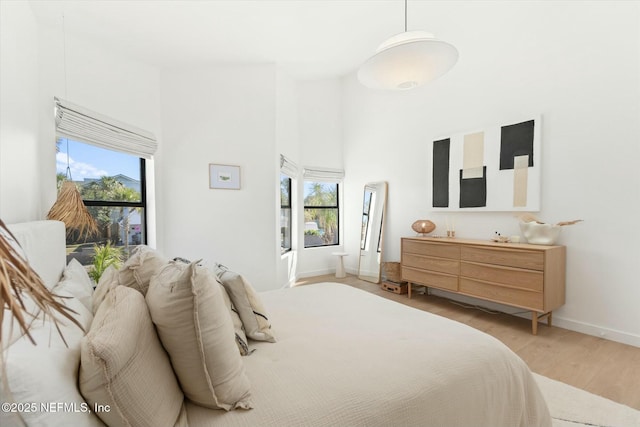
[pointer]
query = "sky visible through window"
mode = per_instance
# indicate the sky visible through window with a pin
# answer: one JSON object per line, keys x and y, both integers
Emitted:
{"x": 88, "y": 161}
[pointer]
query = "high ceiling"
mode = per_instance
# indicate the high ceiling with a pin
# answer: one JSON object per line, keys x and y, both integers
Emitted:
{"x": 308, "y": 38}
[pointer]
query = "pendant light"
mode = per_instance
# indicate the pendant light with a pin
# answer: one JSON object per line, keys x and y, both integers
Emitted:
{"x": 407, "y": 60}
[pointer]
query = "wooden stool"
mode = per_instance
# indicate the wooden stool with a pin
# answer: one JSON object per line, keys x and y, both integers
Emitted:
{"x": 340, "y": 273}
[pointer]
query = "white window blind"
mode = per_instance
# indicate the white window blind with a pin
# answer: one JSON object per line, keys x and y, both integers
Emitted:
{"x": 81, "y": 124}
{"x": 323, "y": 174}
{"x": 288, "y": 167}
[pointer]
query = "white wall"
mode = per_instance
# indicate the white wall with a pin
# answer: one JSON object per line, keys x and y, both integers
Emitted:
{"x": 287, "y": 144}
{"x": 518, "y": 59}
{"x": 222, "y": 114}
{"x": 20, "y": 174}
{"x": 320, "y": 130}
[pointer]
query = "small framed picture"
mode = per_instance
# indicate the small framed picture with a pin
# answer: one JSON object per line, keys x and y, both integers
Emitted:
{"x": 225, "y": 177}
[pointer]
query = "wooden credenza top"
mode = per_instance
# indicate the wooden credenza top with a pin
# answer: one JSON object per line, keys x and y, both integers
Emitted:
{"x": 478, "y": 242}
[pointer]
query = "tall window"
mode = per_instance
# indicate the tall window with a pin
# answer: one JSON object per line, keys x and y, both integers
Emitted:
{"x": 112, "y": 186}
{"x": 285, "y": 213}
{"x": 321, "y": 214}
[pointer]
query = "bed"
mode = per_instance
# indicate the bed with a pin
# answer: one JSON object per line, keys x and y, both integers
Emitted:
{"x": 343, "y": 357}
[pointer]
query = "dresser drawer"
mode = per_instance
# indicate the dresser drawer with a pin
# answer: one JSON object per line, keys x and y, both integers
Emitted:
{"x": 516, "y": 277}
{"x": 441, "y": 265}
{"x": 518, "y": 297}
{"x": 442, "y": 250}
{"x": 428, "y": 278}
{"x": 533, "y": 260}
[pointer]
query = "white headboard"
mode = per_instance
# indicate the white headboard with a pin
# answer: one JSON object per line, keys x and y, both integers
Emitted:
{"x": 44, "y": 244}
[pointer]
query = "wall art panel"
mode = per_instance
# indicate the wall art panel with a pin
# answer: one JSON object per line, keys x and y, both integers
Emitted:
{"x": 493, "y": 169}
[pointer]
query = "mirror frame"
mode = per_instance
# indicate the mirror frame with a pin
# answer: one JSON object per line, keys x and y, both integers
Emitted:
{"x": 367, "y": 268}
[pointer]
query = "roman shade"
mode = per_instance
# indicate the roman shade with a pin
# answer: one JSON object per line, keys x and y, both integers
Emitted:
{"x": 81, "y": 124}
{"x": 288, "y": 167}
{"x": 324, "y": 175}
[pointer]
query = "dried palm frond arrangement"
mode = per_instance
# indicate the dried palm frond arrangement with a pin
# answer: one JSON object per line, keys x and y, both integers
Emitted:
{"x": 70, "y": 209}
{"x": 17, "y": 281}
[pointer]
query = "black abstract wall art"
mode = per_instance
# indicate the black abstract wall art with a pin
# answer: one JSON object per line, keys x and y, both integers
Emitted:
{"x": 441, "y": 173}
{"x": 473, "y": 191}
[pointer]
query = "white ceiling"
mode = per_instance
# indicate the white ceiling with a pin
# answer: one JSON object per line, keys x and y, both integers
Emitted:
{"x": 308, "y": 38}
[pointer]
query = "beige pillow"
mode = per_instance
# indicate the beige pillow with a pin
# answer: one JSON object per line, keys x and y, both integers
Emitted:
{"x": 124, "y": 366}
{"x": 137, "y": 271}
{"x": 107, "y": 282}
{"x": 187, "y": 307}
{"x": 245, "y": 299}
{"x": 241, "y": 336}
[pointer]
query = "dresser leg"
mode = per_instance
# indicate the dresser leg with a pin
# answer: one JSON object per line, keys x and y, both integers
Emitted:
{"x": 535, "y": 318}
{"x": 409, "y": 289}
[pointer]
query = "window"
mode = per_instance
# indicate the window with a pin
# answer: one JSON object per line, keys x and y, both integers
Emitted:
{"x": 112, "y": 186}
{"x": 105, "y": 158}
{"x": 321, "y": 214}
{"x": 285, "y": 213}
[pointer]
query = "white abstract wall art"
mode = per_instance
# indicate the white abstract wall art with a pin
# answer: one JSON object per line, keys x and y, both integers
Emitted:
{"x": 493, "y": 169}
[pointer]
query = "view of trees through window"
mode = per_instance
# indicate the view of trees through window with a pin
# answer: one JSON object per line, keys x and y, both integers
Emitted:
{"x": 321, "y": 225}
{"x": 112, "y": 187}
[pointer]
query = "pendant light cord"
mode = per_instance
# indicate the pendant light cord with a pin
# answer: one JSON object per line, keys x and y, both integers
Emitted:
{"x": 68, "y": 162}
{"x": 405, "y": 16}
{"x": 64, "y": 61}
{"x": 64, "y": 54}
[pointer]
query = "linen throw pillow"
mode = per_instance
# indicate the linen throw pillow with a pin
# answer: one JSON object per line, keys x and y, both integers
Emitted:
{"x": 143, "y": 264}
{"x": 245, "y": 299}
{"x": 241, "y": 336}
{"x": 123, "y": 365}
{"x": 48, "y": 373}
{"x": 188, "y": 309}
{"x": 108, "y": 281}
{"x": 77, "y": 282}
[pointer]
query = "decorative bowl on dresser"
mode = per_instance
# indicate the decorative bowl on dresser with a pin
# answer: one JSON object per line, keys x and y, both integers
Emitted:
{"x": 520, "y": 275}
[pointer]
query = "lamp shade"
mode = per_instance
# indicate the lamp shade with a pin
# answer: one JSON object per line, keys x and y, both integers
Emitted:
{"x": 408, "y": 60}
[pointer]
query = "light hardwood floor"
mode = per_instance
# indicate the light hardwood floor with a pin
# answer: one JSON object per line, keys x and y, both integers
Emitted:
{"x": 599, "y": 366}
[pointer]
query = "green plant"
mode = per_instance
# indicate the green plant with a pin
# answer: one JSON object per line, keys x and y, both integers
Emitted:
{"x": 104, "y": 256}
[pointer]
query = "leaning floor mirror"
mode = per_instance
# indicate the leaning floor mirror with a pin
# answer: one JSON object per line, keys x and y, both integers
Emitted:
{"x": 373, "y": 214}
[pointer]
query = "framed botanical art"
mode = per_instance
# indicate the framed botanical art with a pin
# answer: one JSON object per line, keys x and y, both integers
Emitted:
{"x": 226, "y": 177}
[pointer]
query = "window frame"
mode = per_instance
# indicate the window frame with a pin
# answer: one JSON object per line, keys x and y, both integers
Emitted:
{"x": 336, "y": 207}
{"x": 140, "y": 204}
{"x": 289, "y": 206}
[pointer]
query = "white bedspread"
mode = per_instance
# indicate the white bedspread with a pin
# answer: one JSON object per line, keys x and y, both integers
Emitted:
{"x": 345, "y": 357}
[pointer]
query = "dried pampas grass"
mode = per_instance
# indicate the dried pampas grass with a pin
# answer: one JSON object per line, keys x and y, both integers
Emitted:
{"x": 17, "y": 280}
{"x": 70, "y": 209}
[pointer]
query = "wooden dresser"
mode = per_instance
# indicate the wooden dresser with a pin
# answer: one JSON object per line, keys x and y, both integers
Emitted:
{"x": 521, "y": 275}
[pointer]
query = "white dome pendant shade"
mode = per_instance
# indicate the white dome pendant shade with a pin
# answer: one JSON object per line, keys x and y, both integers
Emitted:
{"x": 408, "y": 60}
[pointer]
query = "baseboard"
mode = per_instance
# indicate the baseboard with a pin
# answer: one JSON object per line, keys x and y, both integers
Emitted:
{"x": 597, "y": 331}
{"x": 316, "y": 273}
{"x": 559, "y": 321}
